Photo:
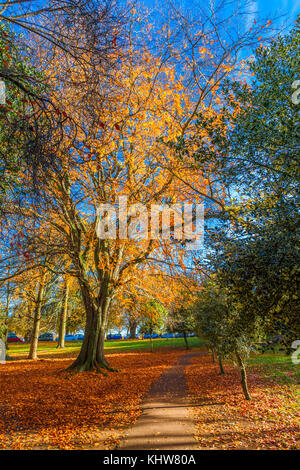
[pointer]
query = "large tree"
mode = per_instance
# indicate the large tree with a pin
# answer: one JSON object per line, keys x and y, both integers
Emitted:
{"x": 141, "y": 100}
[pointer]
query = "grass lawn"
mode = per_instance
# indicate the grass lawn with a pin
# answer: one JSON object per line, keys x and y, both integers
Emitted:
{"x": 72, "y": 347}
{"x": 276, "y": 366}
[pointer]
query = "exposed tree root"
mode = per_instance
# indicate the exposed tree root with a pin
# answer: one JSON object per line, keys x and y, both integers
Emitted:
{"x": 112, "y": 369}
{"x": 89, "y": 366}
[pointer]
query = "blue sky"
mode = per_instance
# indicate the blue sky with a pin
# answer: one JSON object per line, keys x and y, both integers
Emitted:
{"x": 257, "y": 8}
{"x": 291, "y": 7}
{"x": 276, "y": 8}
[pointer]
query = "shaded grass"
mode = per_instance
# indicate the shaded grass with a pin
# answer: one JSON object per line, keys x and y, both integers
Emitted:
{"x": 276, "y": 366}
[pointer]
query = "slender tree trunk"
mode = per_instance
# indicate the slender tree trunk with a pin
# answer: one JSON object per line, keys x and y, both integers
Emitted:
{"x": 186, "y": 341}
{"x": 221, "y": 365}
{"x": 27, "y": 336}
{"x": 213, "y": 352}
{"x": 37, "y": 320}
{"x": 242, "y": 368}
{"x": 63, "y": 317}
{"x": 4, "y": 333}
{"x": 151, "y": 343}
{"x": 6, "y": 320}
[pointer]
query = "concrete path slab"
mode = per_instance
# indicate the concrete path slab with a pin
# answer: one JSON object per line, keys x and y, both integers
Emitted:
{"x": 166, "y": 421}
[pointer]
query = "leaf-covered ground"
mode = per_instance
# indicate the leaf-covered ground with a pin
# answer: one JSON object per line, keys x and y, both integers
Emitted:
{"x": 43, "y": 408}
{"x": 224, "y": 420}
{"x": 40, "y": 408}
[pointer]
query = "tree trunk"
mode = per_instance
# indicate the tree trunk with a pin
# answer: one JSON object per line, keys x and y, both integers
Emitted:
{"x": 186, "y": 341}
{"x": 242, "y": 368}
{"x": 132, "y": 329}
{"x": 213, "y": 354}
{"x": 5, "y": 332}
{"x": 63, "y": 317}
{"x": 6, "y": 317}
{"x": 221, "y": 365}
{"x": 151, "y": 343}
{"x": 27, "y": 336}
{"x": 91, "y": 356}
{"x": 37, "y": 320}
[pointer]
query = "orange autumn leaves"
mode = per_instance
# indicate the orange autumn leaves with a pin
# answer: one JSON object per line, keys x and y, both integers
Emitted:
{"x": 124, "y": 124}
{"x": 43, "y": 409}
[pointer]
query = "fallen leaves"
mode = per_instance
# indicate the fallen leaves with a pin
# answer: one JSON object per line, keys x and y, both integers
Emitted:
{"x": 225, "y": 420}
{"x": 42, "y": 409}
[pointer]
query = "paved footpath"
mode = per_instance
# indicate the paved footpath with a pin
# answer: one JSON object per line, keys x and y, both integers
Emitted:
{"x": 166, "y": 421}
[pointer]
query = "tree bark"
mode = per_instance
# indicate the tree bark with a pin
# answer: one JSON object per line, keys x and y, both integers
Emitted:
{"x": 37, "y": 320}
{"x": 5, "y": 333}
{"x": 213, "y": 352}
{"x": 132, "y": 328}
{"x": 63, "y": 317}
{"x": 186, "y": 341}
{"x": 91, "y": 356}
{"x": 242, "y": 368}
{"x": 221, "y": 365}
